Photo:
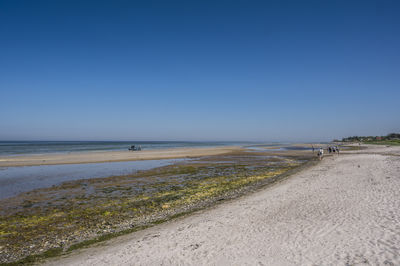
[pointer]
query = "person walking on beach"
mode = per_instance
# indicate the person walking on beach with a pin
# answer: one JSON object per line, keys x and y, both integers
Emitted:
{"x": 312, "y": 148}
{"x": 337, "y": 150}
{"x": 320, "y": 153}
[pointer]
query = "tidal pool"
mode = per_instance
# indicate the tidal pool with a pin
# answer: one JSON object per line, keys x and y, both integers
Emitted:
{"x": 14, "y": 180}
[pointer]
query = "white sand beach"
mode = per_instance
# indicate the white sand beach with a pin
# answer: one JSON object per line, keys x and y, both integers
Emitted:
{"x": 343, "y": 211}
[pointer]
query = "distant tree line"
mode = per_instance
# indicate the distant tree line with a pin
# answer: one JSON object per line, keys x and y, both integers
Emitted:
{"x": 391, "y": 136}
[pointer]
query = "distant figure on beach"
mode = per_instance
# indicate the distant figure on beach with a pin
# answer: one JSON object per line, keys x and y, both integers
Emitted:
{"x": 320, "y": 153}
{"x": 134, "y": 148}
{"x": 329, "y": 149}
{"x": 337, "y": 149}
{"x": 312, "y": 148}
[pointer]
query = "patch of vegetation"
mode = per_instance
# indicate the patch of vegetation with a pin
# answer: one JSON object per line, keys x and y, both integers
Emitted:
{"x": 31, "y": 259}
{"x": 390, "y": 139}
{"x": 393, "y": 142}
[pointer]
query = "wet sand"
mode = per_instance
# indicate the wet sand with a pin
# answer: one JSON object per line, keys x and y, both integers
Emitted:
{"x": 111, "y": 156}
{"x": 344, "y": 211}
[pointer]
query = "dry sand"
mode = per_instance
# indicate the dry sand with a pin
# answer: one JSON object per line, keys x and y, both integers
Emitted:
{"x": 111, "y": 156}
{"x": 344, "y": 211}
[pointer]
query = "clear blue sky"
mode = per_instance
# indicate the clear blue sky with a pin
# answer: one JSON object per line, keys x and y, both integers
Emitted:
{"x": 198, "y": 70}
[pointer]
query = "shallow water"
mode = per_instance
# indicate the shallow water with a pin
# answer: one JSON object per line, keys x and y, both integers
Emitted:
{"x": 277, "y": 148}
{"x": 14, "y": 180}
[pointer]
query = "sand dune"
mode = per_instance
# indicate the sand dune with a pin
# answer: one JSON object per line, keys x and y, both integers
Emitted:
{"x": 344, "y": 211}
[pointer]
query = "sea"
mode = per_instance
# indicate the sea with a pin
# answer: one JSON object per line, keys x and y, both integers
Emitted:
{"x": 20, "y": 179}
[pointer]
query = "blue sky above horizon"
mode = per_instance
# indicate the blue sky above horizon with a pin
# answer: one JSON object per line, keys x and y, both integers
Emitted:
{"x": 199, "y": 70}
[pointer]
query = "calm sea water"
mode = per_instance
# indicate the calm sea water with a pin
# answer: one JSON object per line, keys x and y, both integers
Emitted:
{"x": 40, "y": 147}
{"x": 14, "y": 180}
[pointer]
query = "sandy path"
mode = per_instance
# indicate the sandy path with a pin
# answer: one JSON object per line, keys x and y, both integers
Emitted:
{"x": 345, "y": 210}
{"x": 111, "y": 156}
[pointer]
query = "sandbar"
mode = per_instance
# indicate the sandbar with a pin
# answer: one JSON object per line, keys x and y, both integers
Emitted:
{"x": 111, "y": 156}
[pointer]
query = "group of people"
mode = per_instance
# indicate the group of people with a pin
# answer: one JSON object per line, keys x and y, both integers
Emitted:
{"x": 333, "y": 149}
{"x": 320, "y": 154}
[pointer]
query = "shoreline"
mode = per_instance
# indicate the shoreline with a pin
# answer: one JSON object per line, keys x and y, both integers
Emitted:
{"x": 108, "y": 206}
{"x": 344, "y": 210}
{"x": 112, "y": 156}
